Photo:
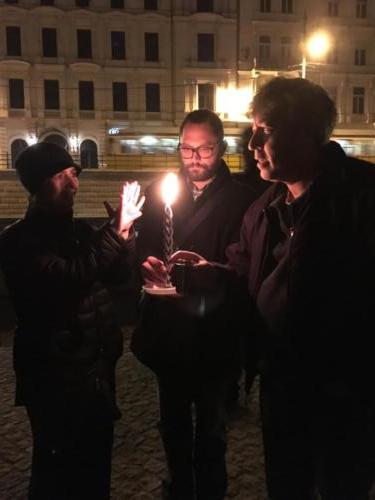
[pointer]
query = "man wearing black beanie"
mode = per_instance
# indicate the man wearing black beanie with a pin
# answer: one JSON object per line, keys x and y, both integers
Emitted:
{"x": 67, "y": 341}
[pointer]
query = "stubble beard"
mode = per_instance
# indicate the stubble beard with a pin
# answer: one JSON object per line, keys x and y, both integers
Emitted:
{"x": 198, "y": 172}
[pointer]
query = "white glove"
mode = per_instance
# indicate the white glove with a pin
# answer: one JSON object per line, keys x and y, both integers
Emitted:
{"x": 130, "y": 205}
{"x": 129, "y": 210}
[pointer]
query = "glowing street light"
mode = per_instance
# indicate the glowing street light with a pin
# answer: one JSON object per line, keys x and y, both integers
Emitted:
{"x": 316, "y": 46}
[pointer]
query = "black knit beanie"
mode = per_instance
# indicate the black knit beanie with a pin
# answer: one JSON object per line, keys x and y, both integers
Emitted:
{"x": 40, "y": 162}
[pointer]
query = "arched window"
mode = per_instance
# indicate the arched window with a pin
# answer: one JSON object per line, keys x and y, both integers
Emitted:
{"x": 56, "y": 139}
{"x": 89, "y": 154}
{"x": 17, "y": 146}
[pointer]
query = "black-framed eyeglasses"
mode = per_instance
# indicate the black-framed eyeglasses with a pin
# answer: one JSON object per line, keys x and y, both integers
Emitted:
{"x": 204, "y": 152}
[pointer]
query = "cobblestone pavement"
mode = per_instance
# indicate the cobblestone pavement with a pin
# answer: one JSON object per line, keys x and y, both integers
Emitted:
{"x": 138, "y": 460}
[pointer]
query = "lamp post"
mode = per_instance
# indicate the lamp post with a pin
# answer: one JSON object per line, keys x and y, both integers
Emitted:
{"x": 316, "y": 45}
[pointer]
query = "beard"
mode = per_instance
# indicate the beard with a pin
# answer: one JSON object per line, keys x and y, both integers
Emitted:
{"x": 199, "y": 171}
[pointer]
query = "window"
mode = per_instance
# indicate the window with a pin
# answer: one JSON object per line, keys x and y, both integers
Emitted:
{"x": 151, "y": 5}
{"x": 13, "y": 37}
{"x": 82, "y": 3}
{"x": 89, "y": 154}
{"x": 11, "y": 1}
{"x": 360, "y": 57}
{"x": 286, "y": 49}
{"x": 361, "y": 10}
{"x": 118, "y": 44}
{"x": 151, "y": 47}
{"x": 265, "y": 5}
{"x": 264, "y": 48}
{"x": 152, "y": 97}
{"x": 358, "y": 100}
{"x": 333, "y": 8}
{"x": 86, "y": 96}
{"x": 49, "y": 42}
{"x": 51, "y": 94}
{"x": 84, "y": 50}
{"x": 16, "y": 94}
{"x": 16, "y": 148}
{"x": 119, "y": 96}
{"x": 287, "y": 6}
{"x": 206, "y": 47}
{"x": 206, "y": 92}
{"x": 205, "y": 5}
{"x": 117, "y": 4}
{"x": 47, "y": 2}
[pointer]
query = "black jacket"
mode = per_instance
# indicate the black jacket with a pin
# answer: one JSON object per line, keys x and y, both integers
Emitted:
{"x": 199, "y": 331}
{"x": 67, "y": 340}
{"x": 329, "y": 312}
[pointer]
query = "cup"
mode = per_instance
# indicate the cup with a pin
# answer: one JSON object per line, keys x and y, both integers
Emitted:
{"x": 180, "y": 276}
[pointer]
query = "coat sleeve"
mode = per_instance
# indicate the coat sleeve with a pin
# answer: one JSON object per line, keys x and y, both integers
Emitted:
{"x": 28, "y": 259}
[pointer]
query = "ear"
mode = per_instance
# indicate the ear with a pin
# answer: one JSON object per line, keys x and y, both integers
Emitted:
{"x": 223, "y": 147}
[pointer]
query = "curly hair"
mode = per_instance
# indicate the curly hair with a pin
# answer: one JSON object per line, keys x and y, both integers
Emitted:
{"x": 299, "y": 102}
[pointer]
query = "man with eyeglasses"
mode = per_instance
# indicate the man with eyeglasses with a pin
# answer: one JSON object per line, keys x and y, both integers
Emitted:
{"x": 191, "y": 342}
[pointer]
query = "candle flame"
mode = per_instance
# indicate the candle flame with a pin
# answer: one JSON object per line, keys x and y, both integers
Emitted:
{"x": 169, "y": 188}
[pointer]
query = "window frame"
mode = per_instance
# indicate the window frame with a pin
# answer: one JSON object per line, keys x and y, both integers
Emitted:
{"x": 86, "y": 92}
{"x": 55, "y": 92}
{"x": 151, "y": 87}
{"x": 13, "y": 93}
{"x": 205, "y": 47}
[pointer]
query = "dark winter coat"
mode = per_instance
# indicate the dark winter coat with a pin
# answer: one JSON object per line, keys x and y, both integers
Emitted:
{"x": 67, "y": 340}
{"x": 200, "y": 331}
{"x": 330, "y": 305}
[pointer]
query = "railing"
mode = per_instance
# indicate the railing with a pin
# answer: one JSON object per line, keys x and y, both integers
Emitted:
{"x": 134, "y": 162}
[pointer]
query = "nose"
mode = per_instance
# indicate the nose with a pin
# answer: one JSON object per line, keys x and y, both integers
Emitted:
{"x": 255, "y": 141}
{"x": 196, "y": 154}
{"x": 73, "y": 181}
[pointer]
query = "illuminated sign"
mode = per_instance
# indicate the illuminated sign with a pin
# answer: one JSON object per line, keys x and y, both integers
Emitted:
{"x": 114, "y": 131}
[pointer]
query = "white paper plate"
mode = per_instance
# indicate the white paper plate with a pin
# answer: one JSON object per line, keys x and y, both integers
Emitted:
{"x": 155, "y": 290}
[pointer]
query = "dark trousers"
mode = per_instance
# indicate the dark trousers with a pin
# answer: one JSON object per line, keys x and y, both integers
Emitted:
{"x": 316, "y": 440}
{"x": 195, "y": 453}
{"x": 71, "y": 456}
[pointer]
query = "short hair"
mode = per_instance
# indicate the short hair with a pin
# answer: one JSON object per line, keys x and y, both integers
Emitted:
{"x": 298, "y": 101}
{"x": 200, "y": 116}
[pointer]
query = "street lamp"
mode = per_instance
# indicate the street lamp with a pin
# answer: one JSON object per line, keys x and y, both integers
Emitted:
{"x": 317, "y": 45}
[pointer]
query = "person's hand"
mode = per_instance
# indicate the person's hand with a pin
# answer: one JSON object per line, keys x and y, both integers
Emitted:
{"x": 129, "y": 210}
{"x": 192, "y": 258}
{"x": 154, "y": 272}
{"x": 130, "y": 205}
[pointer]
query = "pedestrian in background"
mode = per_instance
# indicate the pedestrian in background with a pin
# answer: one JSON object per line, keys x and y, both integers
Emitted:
{"x": 192, "y": 342}
{"x": 67, "y": 341}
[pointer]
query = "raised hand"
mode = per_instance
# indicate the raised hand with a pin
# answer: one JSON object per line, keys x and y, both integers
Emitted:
{"x": 130, "y": 205}
{"x": 129, "y": 209}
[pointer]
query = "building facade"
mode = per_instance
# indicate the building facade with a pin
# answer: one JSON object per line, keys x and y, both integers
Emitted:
{"x": 112, "y": 78}
{"x": 277, "y": 35}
